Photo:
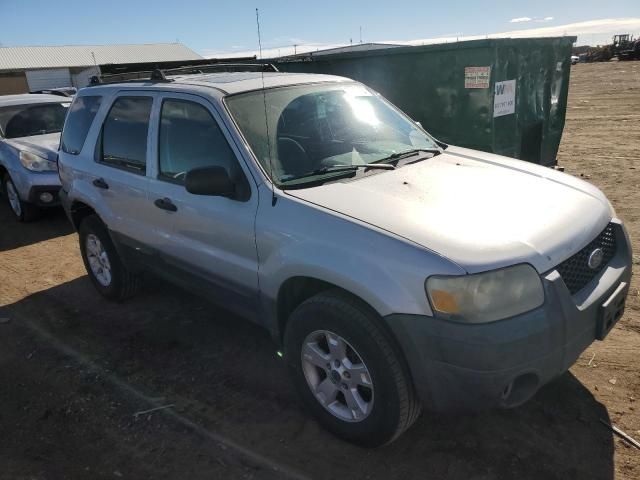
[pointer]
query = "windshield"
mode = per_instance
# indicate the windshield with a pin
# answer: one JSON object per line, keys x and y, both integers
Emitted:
{"x": 313, "y": 127}
{"x": 32, "y": 119}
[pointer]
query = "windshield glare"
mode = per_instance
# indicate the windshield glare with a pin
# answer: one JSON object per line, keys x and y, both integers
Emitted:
{"x": 32, "y": 119}
{"x": 317, "y": 126}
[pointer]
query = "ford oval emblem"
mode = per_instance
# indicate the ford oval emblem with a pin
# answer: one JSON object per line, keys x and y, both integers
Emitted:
{"x": 595, "y": 259}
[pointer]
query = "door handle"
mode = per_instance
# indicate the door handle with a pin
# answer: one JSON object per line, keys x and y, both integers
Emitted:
{"x": 165, "y": 204}
{"x": 100, "y": 183}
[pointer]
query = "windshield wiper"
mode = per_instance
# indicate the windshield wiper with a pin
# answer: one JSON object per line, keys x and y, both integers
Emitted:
{"x": 394, "y": 157}
{"x": 346, "y": 169}
{"x": 340, "y": 168}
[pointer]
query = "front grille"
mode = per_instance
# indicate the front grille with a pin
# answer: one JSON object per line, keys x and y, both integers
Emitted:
{"x": 575, "y": 271}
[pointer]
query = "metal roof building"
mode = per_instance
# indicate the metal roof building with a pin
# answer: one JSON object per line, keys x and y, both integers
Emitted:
{"x": 25, "y": 69}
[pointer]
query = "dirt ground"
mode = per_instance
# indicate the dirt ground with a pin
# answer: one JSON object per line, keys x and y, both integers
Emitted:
{"x": 76, "y": 370}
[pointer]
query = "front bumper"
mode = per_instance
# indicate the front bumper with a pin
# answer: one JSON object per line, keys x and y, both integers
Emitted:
{"x": 31, "y": 185}
{"x": 502, "y": 364}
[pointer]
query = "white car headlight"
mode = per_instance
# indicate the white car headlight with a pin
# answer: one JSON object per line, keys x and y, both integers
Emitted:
{"x": 36, "y": 163}
{"x": 486, "y": 297}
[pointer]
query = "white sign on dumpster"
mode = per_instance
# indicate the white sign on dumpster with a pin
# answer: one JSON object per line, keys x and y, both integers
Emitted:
{"x": 504, "y": 98}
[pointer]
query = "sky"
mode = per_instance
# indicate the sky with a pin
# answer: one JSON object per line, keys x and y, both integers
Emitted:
{"x": 216, "y": 28}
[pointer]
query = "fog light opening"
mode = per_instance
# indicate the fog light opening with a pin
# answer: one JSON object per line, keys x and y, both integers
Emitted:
{"x": 46, "y": 197}
{"x": 519, "y": 390}
{"x": 507, "y": 391}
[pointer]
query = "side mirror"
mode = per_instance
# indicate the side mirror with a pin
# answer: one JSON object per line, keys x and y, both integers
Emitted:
{"x": 214, "y": 181}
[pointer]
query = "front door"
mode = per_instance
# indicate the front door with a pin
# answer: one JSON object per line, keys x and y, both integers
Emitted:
{"x": 212, "y": 239}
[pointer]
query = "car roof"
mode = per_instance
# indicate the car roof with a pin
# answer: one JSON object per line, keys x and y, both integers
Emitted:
{"x": 26, "y": 98}
{"x": 229, "y": 83}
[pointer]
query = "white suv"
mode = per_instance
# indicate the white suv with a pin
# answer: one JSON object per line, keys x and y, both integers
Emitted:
{"x": 395, "y": 271}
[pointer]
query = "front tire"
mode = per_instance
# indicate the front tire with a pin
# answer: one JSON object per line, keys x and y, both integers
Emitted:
{"x": 23, "y": 211}
{"x": 348, "y": 371}
{"x": 103, "y": 264}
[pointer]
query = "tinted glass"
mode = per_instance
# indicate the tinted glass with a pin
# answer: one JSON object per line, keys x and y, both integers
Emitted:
{"x": 124, "y": 133}
{"x": 81, "y": 115}
{"x": 32, "y": 119}
{"x": 190, "y": 138}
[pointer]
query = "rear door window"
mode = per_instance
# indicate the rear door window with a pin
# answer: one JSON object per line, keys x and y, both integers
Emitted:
{"x": 124, "y": 133}
{"x": 79, "y": 119}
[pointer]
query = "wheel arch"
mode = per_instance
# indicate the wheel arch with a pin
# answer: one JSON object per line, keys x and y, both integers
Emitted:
{"x": 79, "y": 211}
{"x": 295, "y": 290}
{"x": 292, "y": 293}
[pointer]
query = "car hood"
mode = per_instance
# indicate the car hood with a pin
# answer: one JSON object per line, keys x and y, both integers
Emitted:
{"x": 44, "y": 145}
{"x": 482, "y": 211}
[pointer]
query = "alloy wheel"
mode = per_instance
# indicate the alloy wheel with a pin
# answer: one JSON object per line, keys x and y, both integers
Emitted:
{"x": 337, "y": 376}
{"x": 98, "y": 260}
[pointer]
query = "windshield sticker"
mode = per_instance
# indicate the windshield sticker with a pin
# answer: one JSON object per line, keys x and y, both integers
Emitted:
{"x": 477, "y": 77}
{"x": 504, "y": 99}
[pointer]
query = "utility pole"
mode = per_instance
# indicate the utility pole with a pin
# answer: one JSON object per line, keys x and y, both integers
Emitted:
{"x": 360, "y": 34}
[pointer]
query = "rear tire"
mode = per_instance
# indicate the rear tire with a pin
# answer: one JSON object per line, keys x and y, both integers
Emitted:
{"x": 105, "y": 268}
{"x": 23, "y": 211}
{"x": 385, "y": 409}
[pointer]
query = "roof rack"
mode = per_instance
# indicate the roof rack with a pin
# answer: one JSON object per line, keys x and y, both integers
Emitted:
{"x": 156, "y": 75}
{"x": 222, "y": 67}
{"x": 159, "y": 75}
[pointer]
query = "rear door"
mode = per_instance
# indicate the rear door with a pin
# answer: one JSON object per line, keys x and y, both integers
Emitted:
{"x": 121, "y": 157}
{"x": 212, "y": 239}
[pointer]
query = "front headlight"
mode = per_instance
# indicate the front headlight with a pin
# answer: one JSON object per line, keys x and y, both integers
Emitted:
{"x": 486, "y": 297}
{"x": 36, "y": 163}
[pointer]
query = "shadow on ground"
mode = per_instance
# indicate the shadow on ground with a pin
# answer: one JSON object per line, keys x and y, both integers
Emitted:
{"x": 53, "y": 223}
{"x": 222, "y": 373}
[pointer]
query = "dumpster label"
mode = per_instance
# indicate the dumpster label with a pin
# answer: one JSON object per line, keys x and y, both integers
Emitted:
{"x": 504, "y": 99}
{"x": 477, "y": 77}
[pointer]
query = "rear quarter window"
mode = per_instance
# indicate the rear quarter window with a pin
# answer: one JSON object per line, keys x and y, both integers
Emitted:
{"x": 79, "y": 119}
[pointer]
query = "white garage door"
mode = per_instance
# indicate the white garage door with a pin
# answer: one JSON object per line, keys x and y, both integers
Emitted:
{"x": 49, "y": 78}
{"x": 81, "y": 79}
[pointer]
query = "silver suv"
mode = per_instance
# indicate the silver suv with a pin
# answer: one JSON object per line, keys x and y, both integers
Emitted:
{"x": 394, "y": 271}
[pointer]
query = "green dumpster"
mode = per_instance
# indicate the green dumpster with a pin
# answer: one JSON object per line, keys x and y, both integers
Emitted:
{"x": 506, "y": 96}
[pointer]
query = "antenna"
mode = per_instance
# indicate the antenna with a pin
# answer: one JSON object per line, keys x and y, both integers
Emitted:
{"x": 95, "y": 64}
{"x": 266, "y": 120}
